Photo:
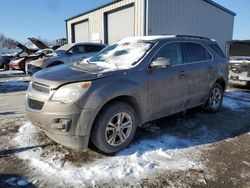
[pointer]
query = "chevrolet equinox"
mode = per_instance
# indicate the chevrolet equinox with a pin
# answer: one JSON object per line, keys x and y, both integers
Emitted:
{"x": 102, "y": 100}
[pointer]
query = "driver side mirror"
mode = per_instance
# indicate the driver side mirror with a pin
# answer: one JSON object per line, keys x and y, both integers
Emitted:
{"x": 160, "y": 63}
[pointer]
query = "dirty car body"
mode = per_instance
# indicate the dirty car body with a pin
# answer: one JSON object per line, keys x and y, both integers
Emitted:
{"x": 131, "y": 72}
{"x": 239, "y": 64}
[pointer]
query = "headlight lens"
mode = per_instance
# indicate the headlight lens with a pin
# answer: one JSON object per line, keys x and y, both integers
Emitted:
{"x": 71, "y": 92}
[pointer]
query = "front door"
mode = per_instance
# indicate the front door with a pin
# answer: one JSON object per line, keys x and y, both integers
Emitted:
{"x": 168, "y": 86}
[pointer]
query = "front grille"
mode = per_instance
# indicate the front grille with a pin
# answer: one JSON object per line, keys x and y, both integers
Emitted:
{"x": 41, "y": 88}
{"x": 34, "y": 104}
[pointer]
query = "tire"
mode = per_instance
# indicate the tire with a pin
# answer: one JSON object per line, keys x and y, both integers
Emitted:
{"x": 107, "y": 133}
{"x": 215, "y": 99}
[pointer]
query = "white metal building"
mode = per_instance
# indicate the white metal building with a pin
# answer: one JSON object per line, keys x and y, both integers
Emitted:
{"x": 121, "y": 18}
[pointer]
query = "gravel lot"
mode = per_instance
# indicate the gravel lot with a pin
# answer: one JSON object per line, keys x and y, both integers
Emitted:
{"x": 191, "y": 149}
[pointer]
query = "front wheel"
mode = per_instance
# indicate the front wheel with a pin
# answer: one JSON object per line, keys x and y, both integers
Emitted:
{"x": 114, "y": 127}
{"x": 215, "y": 99}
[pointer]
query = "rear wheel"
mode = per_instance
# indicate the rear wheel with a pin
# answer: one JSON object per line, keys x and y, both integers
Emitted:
{"x": 114, "y": 127}
{"x": 215, "y": 99}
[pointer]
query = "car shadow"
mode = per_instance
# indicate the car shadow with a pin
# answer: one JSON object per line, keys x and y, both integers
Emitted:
{"x": 7, "y": 113}
{"x": 13, "y": 86}
{"x": 14, "y": 180}
{"x": 10, "y": 152}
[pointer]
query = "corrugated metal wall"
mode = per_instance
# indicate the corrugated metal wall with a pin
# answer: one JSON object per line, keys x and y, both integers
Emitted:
{"x": 96, "y": 20}
{"x": 194, "y": 17}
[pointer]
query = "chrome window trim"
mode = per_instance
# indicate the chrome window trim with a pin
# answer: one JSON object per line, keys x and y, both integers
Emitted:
{"x": 212, "y": 57}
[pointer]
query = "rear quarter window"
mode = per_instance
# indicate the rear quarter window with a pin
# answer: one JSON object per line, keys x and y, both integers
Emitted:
{"x": 93, "y": 48}
{"x": 194, "y": 52}
{"x": 217, "y": 50}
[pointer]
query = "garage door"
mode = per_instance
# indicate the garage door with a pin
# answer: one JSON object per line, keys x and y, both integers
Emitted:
{"x": 120, "y": 24}
{"x": 81, "y": 32}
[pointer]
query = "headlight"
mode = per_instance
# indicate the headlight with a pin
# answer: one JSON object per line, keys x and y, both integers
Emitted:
{"x": 71, "y": 92}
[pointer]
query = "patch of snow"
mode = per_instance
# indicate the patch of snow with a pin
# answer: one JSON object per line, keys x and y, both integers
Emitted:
{"x": 145, "y": 38}
{"x": 121, "y": 55}
{"x": 140, "y": 160}
{"x": 231, "y": 100}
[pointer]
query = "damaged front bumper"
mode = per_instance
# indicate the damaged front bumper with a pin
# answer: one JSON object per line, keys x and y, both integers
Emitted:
{"x": 239, "y": 73}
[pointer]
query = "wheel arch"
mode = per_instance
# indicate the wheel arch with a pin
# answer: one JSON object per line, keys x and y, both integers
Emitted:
{"x": 122, "y": 98}
{"x": 222, "y": 82}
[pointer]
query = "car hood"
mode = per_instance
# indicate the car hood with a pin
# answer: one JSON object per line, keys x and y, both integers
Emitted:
{"x": 39, "y": 44}
{"x": 24, "y": 48}
{"x": 64, "y": 74}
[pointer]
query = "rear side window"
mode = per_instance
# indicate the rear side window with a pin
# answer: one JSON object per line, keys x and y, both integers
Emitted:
{"x": 217, "y": 50}
{"x": 170, "y": 52}
{"x": 77, "y": 49}
{"x": 194, "y": 52}
{"x": 93, "y": 48}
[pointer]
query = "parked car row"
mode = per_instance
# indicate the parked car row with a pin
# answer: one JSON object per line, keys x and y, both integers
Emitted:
{"x": 66, "y": 54}
{"x": 31, "y": 61}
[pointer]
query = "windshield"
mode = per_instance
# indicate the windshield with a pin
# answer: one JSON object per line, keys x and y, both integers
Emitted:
{"x": 122, "y": 54}
{"x": 63, "y": 49}
{"x": 60, "y": 52}
{"x": 240, "y": 49}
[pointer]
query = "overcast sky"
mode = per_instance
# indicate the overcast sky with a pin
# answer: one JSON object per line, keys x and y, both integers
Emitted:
{"x": 20, "y": 19}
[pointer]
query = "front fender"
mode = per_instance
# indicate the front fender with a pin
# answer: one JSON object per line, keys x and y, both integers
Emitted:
{"x": 101, "y": 95}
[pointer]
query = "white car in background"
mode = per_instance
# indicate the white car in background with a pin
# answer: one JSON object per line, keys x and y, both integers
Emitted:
{"x": 67, "y": 54}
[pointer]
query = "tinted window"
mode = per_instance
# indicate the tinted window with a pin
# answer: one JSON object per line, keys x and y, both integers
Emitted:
{"x": 194, "y": 52}
{"x": 93, "y": 48}
{"x": 77, "y": 50}
{"x": 171, "y": 52}
{"x": 240, "y": 49}
{"x": 217, "y": 49}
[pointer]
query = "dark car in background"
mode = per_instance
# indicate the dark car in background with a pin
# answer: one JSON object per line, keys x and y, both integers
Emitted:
{"x": 5, "y": 59}
{"x": 238, "y": 52}
{"x": 105, "y": 98}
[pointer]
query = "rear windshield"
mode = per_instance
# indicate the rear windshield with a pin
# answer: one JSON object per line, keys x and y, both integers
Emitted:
{"x": 241, "y": 49}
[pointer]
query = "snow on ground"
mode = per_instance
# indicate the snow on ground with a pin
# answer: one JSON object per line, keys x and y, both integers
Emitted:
{"x": 138, "y": 161}
{"x": 142, "y": 159}
{"x": 231, "y": 100}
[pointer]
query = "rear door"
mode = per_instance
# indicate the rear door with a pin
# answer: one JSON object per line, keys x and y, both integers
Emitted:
{"x": 199, "y": 66}
{"x": 168, "y": 86}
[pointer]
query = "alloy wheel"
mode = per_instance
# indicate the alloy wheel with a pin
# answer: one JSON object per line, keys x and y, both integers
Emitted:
{"x": 118, "y": 129}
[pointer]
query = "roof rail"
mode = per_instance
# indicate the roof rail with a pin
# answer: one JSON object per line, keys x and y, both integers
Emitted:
{"x": 193, "y": 36}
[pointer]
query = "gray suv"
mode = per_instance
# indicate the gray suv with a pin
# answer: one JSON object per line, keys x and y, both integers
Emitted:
{"x": 66, "y": 54}
{"x": 102, "y": 100}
